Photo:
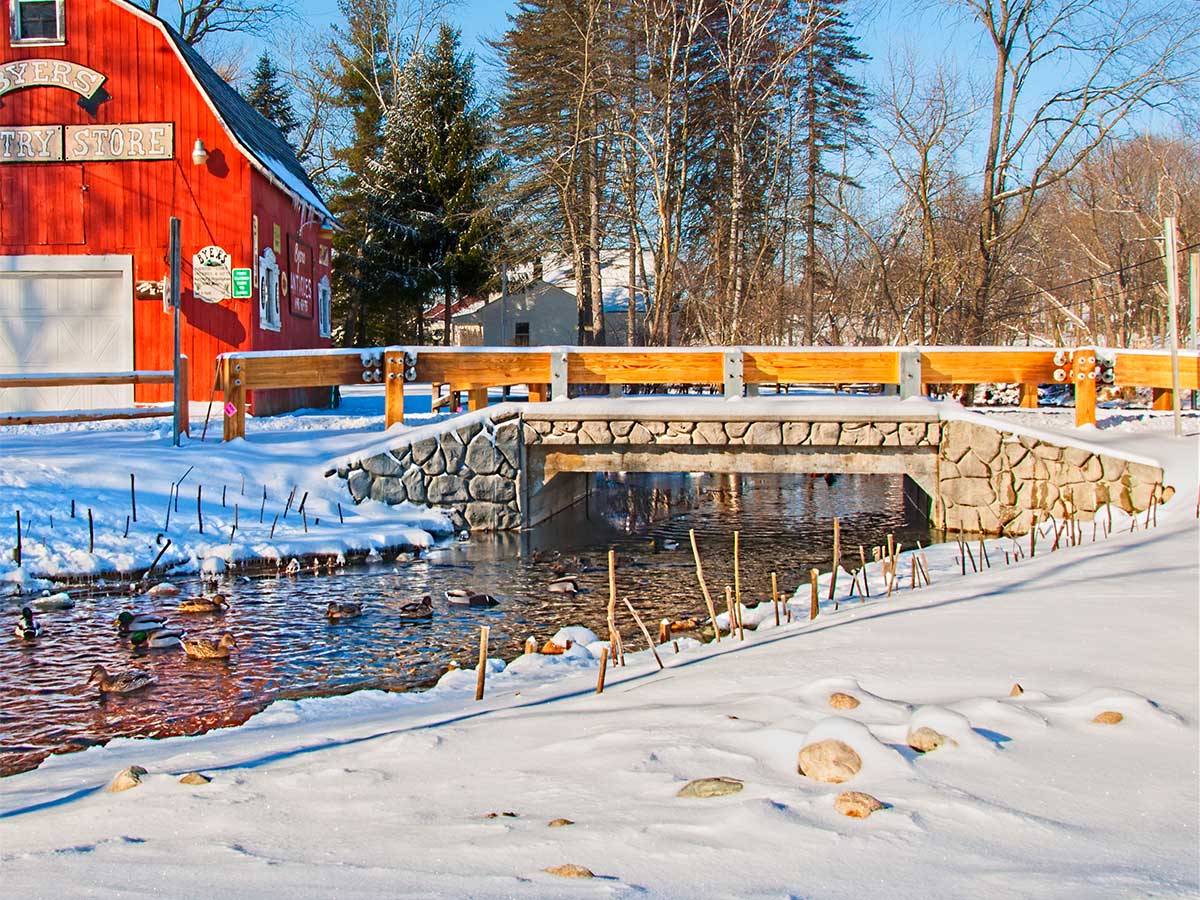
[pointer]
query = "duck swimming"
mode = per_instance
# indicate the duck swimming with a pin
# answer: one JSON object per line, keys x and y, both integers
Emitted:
{"x": 568, "y": 584}
{"x": 199, "y": 648}
{"x": 336, "y": 611}
{"x": 163, "y": 639}
{"x": 420, "y": 609}
{"x": 214, "y": 604}
{"x": 123, "y": 683}
{"x": 463, "y": 597}
{"x": 128, "y": 622}
{"x": 27, "y": 627}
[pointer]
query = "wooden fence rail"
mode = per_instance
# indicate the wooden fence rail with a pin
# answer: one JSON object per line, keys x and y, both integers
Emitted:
{"x": 90, "y": 379}
{"x": 548, "y": 371}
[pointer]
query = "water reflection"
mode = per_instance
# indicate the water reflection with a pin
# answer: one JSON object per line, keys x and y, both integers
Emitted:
{"x": 288, "y": 649}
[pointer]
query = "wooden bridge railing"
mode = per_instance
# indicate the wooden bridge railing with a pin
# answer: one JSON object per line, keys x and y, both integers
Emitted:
{"x": 550, "y": 370}
{"x": 93, "y": 379}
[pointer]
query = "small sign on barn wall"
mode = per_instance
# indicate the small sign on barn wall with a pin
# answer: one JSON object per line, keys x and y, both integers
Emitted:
{"x": 301, "y": 277}
{"x": 212, "y": 280}
{"x": 243, "y": 279}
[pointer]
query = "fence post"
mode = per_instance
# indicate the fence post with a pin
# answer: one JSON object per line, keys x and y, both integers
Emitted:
{"x": 1029, "y": 396}
{"x": 182, "y": 422}
{"x": 559, "y": 388}
{"x": 233, "y": 385}
{"x": 910, "y": 373}
{"x": 477, "y": 398}
{"x": 393, "y": 387}
{"x": 1083, "y": 374}
{"x": 733, "y": 371}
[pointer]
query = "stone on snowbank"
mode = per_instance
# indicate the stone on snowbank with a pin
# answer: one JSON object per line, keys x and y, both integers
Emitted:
{"x": 710, "y": 787}
{"x": 856, "y": 804}
{"x": 830, "y": 760}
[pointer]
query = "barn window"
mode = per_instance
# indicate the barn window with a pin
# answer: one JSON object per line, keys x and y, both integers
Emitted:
{"x": 268, "y": 291}
{"x": 324, "y": 300}
{"x": 36, "y": 21}
{"x": 521, "y": 334}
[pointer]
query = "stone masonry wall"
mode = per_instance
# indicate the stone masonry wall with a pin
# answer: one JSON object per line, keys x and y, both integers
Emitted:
{"x": 988, "y": 480}
{"x": 997, "y": 482}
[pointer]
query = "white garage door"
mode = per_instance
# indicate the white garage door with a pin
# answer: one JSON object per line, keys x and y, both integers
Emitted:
{"x": 65, "y": 314}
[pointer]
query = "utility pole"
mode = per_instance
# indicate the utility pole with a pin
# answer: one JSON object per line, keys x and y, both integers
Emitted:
{"x": 1171, "y": 257}
{"x": 174, "y": 253}
{"x": 1193, "y": 306}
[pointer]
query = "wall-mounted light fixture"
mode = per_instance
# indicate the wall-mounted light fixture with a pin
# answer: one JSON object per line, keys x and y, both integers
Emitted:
{"x": 199, "y": 154}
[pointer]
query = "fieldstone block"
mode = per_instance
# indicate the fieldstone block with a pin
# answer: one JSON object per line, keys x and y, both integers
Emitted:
{"x": 508, "y": 441}
{"x": 972, "y": 466}
{"x": 467, "y": 433}
{"x": 912, "y": 434}
{"x": 436, "y": 464}
{"x": 384, "y": 464}
{"x": 595, "y": 433}
{"x": 423, "y": 449}
{"x": 414, "y": 484}
{"x": 494, "y": 488}
{"x": 445, "y": 489}
{"x": 482, "y": 457}
{"x": 656, "y": 429}
{"x": 1113, "y": 468}
{"x": 640, "y": 434}
{"x": 985, "y": 442}
{"x": 968, "y": 491}
{"x": 540, "y": 426}
{"x": 620, "y": 428}
{"x": 825, "y": 433}
{"x": 765, "y": 433}
{"x": 796, "y": 433}
{"x": 710, "y": 433}
{"x": 1076, "y": 456}
{"x": 956, "y": 441}
{"x": 388, "y": 490}
{"x": 359, "y": 484}
{"x": 736, "y": 430}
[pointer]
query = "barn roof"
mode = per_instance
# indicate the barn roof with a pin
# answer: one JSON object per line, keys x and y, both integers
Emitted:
{"x": 257, "y": 136}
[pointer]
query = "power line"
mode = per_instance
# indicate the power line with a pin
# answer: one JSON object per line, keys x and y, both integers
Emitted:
{"x": 1081, "y": 281}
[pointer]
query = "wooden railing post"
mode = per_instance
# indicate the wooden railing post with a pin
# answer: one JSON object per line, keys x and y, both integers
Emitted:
{"x": 1083, "y": 374}
{"x": 477, "y": 398}
{"x": 1029, "y": 396}
{"x": 538, "y": 393}
{"x": 393, "y": 388}
{"x": 181, "y": 398}
{"x": 1162, "y": 399}
{"x": 233, "y": 384}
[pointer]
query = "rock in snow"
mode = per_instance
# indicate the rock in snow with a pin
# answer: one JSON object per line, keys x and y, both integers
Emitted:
{"x": 194, "y": 778}
{"x": 558, "y": 823}
{"x": 856, "y": 804}
{"x": 831, "y": 761}
{"x": 126, "y": 779}
{"x": 710, "y": 787}
{"x": 840, "y": 700}
{"x": 1108, "y": 717}
{"x": 570, "y": 870}
{"x": 925, "y": 739}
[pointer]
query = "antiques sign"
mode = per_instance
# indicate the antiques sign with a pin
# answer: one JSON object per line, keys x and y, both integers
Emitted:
{"x": 301, "y": 278}
{"x": 212, "y": 280}
{"x": 83, "y": 143}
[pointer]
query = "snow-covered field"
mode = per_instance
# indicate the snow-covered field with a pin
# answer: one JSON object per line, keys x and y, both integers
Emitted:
{"x": 392, "y": 795}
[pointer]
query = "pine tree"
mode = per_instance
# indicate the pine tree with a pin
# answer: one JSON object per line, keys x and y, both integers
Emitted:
{"x": 271, "y": 97}
{"x": 833, "y": 116}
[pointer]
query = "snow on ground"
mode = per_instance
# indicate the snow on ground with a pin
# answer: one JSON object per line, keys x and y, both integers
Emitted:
{"x": 43, "y": 468}
{"x": 390, "y": 795}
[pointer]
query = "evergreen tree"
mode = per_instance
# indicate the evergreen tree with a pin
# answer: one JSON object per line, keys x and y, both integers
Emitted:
{"x": 833, "y": 115}
{"x": 271, "y": 97}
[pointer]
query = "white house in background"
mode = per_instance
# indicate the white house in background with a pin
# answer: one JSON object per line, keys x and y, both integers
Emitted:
{"x": 543, "y": 310}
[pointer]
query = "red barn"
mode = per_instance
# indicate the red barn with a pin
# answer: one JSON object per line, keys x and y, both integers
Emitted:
{"x": 110, "y": 125}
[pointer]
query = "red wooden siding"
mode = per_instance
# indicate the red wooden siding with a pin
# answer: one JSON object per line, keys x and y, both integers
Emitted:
{"x": 123, "y": 207}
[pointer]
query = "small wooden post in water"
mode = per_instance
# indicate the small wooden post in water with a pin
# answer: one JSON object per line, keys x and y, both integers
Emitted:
{"x": 17, "y": 558}
{"x": 737, "y": 569}
{"x": 603, "y": 670}
{"x": 132, "y": 496}
{"x": 837, "y": 557}
{"x": 712, "y": 612}
{"x": 862, "y": 555}
{"x": 814, "y": 608}
{"x": 775, "y": 596}
{"x": 91, "y": 533}
{"x": 481, "y": 671}
{"x": 199, "y": 510}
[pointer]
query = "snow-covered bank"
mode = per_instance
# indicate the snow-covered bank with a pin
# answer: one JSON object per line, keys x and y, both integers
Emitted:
{"x": 388, "y": 795}
{"x": 44, "y": 468}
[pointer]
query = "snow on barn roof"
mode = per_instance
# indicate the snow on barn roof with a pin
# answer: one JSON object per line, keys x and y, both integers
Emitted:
{"x": 256, "y": 136}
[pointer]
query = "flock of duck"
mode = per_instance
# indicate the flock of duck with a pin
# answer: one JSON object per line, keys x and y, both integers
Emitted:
{"x": 146, "y": 631}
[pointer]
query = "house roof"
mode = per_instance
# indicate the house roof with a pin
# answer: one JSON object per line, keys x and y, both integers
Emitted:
{"x": 256, "y": 136}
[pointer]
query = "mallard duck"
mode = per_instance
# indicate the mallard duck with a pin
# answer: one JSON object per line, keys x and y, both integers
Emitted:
{"x": 27, "y": 627}
{"x": 128, "y": 622}
{"x": 163, "y": 639}
{"x": 163, "y": 589}
{"x": 568, "y": 584}
{"x": 49, "y": 601}
{"x": 214, "y": 604}
{"x": 420, "y": 609}
{"x": 463, "y": 597}
{"x": 199, "y": 648}
{"x": 124, "y": 683}
{"x": 335, "y": 611}
{"x": 293, "y": 568}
